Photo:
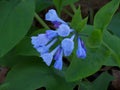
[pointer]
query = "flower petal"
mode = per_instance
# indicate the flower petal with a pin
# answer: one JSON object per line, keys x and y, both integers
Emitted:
{"x": 81, "y": 51}
{"x": 52, "y": 16}
{"x": 68, "y": 46}
{"x": 63, "y": 30}
{"x": 47, "y": 58}
{"x": 51, "y": 34}
{"x": 39, "y": 40}
{"x": 59, "y": 63}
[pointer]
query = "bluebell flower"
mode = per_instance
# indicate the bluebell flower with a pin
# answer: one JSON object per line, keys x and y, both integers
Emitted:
{"x": 39, "y": 40}
{"x": 81, "y": 51}
{"x": 48, "y": 57}
{"x": 58, "y": 59}
{"x": 56, "y": 24}
{"x": 51, "y": 34}
{"x": 68, "y": 45}
{"x": 63, "y": 30}
{"x": 52, "y": 16}
{"x": 45, "y": 49}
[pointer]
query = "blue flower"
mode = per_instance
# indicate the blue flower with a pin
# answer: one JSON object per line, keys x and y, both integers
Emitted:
{"x": 39, "y": 40}
{"x": 68, "y": 45}
{"x": 45, "y": 49}
{"x": 81, "y": 51}
{"x": 63, "y": 30}
{"x": 52, "y": 16}
{"x": 58, "y": 60}
{"x": 56, "y": 24}
{"x": 48, "y": 57}
{"x": 51, "y": 34}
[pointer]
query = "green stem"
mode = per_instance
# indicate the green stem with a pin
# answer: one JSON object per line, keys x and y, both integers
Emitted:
{"x": 73, "y": 7}
{"x": 67, "y": 12}
{"x": 91, "y": 15}
{"x": 41, "y": 21}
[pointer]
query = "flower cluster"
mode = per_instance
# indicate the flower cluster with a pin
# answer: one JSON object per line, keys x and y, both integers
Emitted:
{"x": 43, "y": 42}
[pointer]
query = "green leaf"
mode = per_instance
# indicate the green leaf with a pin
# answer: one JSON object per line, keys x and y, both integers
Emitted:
{"x": 15, "y": 20}
{"x": 104, "y": 15}
{"x": 85, "y": 85}
{"x": 102, "y": 82}
{"x": 110, "y": 62}
{"x": 114, "y": 26}
{"x": 95, "y": 39}
{"x": 26, "y": 48}
{"x": 81, "y": 68}
{"x": 33, "y": 75}
{"x": 42, "y": 4}
{"x": 113, "y": 43}
{"x": 76, "y": 18}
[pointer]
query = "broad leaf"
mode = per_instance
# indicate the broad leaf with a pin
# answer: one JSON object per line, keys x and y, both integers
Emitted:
{"x": 33, "y": 75}
{"x": 114, "y": 26}
{"x": 42, "y": 4}
{"x": 100, "y": 83}
{"x": 104, "y": 15}
{"x": 15, "y": 20}
{"x": 113, "y": 43}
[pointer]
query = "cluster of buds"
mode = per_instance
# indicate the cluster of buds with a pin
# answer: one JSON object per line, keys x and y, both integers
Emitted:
{"x": 43, "y": 42}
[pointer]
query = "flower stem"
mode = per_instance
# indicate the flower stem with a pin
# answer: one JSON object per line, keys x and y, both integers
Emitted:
{"x": 67, "y": 12}
{"x": 73, "y": 7}
{"x": 41, "y": 21}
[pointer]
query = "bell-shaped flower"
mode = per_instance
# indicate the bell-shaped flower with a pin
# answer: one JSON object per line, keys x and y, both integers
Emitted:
{"x": 63, "y": 30}
{"x": 52, "y": 16}
{"x": 58, "y": 59}
{"x": 48, "y": 57}
{"x": 51, "y": 34}
{"x": 68, "y": 45}
{"x": 39, "y": 40}
{"x": 81, "y": 51}
{"x": 45, "y": 49}
{"x": 56, "y": 24}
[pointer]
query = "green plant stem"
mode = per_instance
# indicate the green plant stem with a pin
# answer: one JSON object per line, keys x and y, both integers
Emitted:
{"x": 41, "y": 21}
{"x": 91, "y": 15}
{"x": 67, "y": 12}
{"x": 73, "y": 7}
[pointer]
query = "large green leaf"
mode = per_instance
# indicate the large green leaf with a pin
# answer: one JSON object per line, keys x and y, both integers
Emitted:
{"x": 81, "y": 68}
{"x": 32, "y": 75}
{"x": 113, "y": 43}
{"x": 42, "y": 4}
{"x": 104, "y": 15}
{"x": 26, "y": 48}
{"x": 100, "y": 83}
{"x": 96, "y": 57}
{"x": 114, "y": 26}
{"x": 15, "y": 20}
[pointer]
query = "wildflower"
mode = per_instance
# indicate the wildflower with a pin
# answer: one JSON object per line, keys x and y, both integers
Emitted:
{"x": 63, "y": 30}
{"x": 44, "y": 49}
{"x": 52, "y": 16}
{"x": 51, "y": 34}
{"x": 81, "y": 51}
{"x": 58, "y": 60}
{"x": 68, "y": 45}
{"x": 47, "y": 57}
{"x": 39, "y": 40}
